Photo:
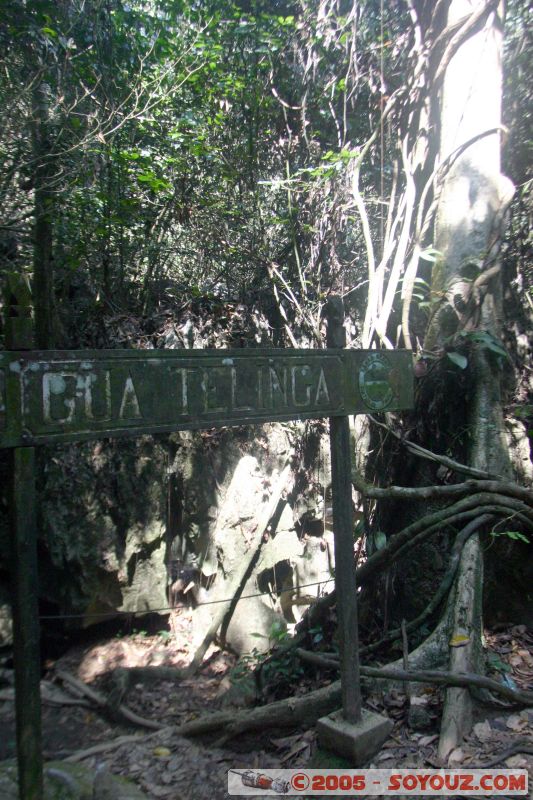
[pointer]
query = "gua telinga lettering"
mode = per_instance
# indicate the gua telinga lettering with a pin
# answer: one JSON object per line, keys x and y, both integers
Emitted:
{"x": 277, "y": 384}
{"x": 322, "y": 391}
{"x": 59, "y": 397}
{"x": 306, "y": 389}
{"x": 232, "y": 387}
{"x": 303, "y": 382}
{"x": 87, "y": 394}
{"x": 129, "y": 404}
{"x": 97, "y": 396}
{"x": 184, "y": 374}
{"x": 68, "y": 396}
{"x": 301, "y": 386}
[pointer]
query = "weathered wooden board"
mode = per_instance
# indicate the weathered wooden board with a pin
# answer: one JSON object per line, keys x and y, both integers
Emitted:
{"x": 62, "y": 396}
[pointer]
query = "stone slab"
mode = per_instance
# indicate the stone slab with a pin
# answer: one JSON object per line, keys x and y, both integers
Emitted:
{"x": 357, "y": 742}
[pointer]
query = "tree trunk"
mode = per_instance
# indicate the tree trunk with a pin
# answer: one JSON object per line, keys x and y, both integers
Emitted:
{"x": 43, "y": 271}
{"x": 468, "y": 228}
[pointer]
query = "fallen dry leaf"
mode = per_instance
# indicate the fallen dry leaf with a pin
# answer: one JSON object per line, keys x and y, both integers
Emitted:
{"x": 518, "y": 630}
{"x": 299, "y": 748}
{"x": 161, "y": 752}
{"x": 385, "y": 756}
{"x": 457, "y": 756}
{"x": 515, "y": 762}
{"x": 286, "y": 741}
{"x": 483, "y": 731}
{"x": 425, "y": 740}
{"x": 516, "y": 723}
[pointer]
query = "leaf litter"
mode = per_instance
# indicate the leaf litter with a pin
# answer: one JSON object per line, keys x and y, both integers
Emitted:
{"x": 167, "y": 766}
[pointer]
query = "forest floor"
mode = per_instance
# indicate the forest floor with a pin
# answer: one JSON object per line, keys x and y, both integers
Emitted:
{"x": 167, "y": 766}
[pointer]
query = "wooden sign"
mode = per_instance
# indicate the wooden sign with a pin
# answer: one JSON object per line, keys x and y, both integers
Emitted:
{"x": 62, "y": 396}
{"x": 53, "y": 396}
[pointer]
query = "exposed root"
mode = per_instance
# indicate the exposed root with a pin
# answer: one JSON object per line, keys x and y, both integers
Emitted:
{"x": 441, "y": 592}
{"x": 467, "y": 623}
{"x": 304, "y": 711}
{"x": 437, "y": 677}
{"x": 106, "y": 747}
{"x": 99, "y": 700}
{"x": 289, "y": 713}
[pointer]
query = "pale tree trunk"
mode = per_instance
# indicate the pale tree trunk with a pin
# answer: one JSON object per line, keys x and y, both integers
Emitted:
{"x": 469, "y": 222}
{"x": 45, "y": 204}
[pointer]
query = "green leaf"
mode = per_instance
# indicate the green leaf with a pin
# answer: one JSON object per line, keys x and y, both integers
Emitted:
{"x": 380, "y": 540}
{"x": 496, "y": 663}
{"x": 488, "y": 340}
{"x": 129, "y": 155}
{"x": 156, "y": 184}
{"x": 518, "y": 537}
{"x": 521, "y": 412}
{"x": 458, "y": 359}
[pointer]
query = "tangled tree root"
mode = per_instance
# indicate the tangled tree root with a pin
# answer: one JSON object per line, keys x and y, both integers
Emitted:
{"x": 304, "y": 711}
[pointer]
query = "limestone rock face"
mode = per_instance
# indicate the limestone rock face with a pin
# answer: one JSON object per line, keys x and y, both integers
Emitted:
{"x": 102, "y": 529}
{"x": 118, "y": 516}
{"x": 105, "y": 535}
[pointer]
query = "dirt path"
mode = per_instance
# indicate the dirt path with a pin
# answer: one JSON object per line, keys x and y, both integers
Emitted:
{"x": 166, "y": 766}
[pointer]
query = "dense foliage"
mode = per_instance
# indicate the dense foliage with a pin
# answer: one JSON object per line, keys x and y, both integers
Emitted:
{"x": 191, "y": 148}
{"x": 159, "y": 150}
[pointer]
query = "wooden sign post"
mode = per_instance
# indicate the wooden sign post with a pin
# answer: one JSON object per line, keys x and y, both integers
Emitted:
{"x": 70, "y": 396}
{"x": 26, "y": 650}
{"x": 343, "y": 531}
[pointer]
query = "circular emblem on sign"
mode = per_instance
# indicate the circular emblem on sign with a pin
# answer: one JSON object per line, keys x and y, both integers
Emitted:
{"x": 375, "y": 382}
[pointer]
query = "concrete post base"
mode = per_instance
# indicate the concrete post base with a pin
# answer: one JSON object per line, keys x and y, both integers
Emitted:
{"x": 357, "y": 742}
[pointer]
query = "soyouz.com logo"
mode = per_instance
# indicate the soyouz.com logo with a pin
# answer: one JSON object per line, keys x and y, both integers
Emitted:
{"x": 379, "y": 782}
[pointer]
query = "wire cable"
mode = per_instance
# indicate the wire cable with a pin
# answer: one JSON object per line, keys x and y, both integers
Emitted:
{"x": 114, "y": 614}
